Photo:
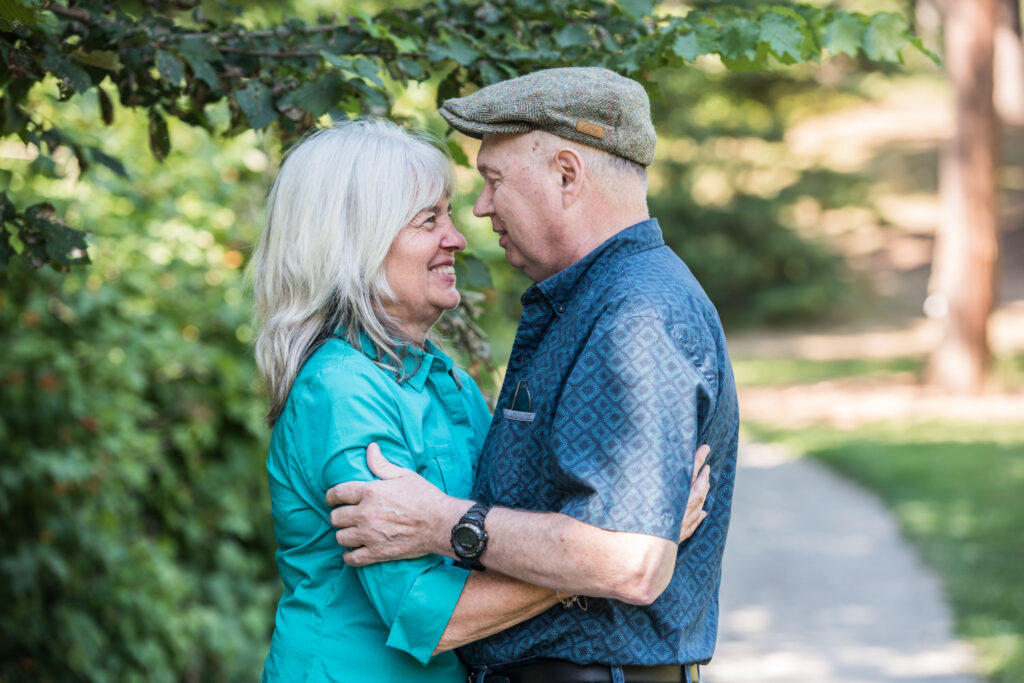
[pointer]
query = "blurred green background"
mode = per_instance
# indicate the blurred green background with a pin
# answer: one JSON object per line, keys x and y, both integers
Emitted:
{"x": 136, "y": 540}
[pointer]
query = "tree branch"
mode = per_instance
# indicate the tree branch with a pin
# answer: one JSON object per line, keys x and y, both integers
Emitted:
{"x": 69, "y": 12}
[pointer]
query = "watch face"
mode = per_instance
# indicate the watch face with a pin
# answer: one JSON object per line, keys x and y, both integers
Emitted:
{"x": 466, "y": 538}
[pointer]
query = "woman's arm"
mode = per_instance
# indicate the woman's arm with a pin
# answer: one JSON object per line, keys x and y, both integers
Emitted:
{"x": 492, "y": 602}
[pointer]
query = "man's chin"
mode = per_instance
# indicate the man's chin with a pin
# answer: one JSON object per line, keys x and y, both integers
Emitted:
{"x": 514, "y": 260}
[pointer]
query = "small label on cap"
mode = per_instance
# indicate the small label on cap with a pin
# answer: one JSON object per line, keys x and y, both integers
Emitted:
{"x": 590, "y": 128}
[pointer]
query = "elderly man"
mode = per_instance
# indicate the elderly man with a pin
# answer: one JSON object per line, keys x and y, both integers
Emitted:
{"x": 619, "y": 369}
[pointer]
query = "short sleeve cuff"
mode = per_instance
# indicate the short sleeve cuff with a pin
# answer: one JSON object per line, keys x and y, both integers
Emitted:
{"x": 426, "y": 610}
{"x": 631, "y": 519}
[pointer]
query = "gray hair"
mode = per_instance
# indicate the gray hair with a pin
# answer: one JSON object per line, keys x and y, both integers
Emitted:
{"x": 339, "y": 201}
{"x": 609, "y": 170}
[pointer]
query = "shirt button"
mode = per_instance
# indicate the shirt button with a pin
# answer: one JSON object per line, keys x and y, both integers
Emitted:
{"x": 561, "y": 309}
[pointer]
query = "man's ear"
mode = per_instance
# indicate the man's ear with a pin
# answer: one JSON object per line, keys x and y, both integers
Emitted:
{"x": 571, "y": 171}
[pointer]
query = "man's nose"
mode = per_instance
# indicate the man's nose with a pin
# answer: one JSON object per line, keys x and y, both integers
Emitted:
{"x": 483, "y": 205}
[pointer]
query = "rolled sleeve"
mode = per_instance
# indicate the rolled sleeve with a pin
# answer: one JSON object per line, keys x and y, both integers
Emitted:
{"x": 626, "y": 440}
{"x": 421, "y": 616}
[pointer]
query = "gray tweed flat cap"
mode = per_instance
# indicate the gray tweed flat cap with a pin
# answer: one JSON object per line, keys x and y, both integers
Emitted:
{"x": 589, "y": 105}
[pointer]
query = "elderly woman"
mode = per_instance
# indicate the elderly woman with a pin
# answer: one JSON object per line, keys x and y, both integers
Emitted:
{"x": 354, "y": 267}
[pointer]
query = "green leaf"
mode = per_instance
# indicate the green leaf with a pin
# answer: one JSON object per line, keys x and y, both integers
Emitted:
{"x": 637, "y": 9}
{"x": 104, "y": 159}
{"x": 74, "y": 77}
{"x": 403, "y": 44}
{"x": 203, "y": 71}
{"x": 6, "y": 249}
{"x": 490, "y": 73}
{"x": 885, "y": 37}
{"x": 783, "y": 36}
{"x": 573, "y": 35}
{"x": 740, "y": 39}
{"x": 373, "y": 28}
{"x": 257, "y": 103}
{"x": 44, "y": 166}
{"x": 457, "y": 48}
{"x": 412, "y": 68}
{"x": 448, "y": 87}
{"x": 321, "y": 95}
{"x": 104, "y": 59}
{"x": 106, "y": 106}
{"x": 701, "y": 38}
{"x": 63, "y": 244}
{"x": 845, "y": 33}
{"x": 469, "y": 270}
{"x": 919, "y": 44}
{"x": 685, "y": 45}
{"x": 199, "y": 48}
{"x": 200, "y": 53}
{"x": 337, "y": 61}
{"x": 159, "y": 139}
{"x": 457, "y": 154}
{"x": 170, "y": 67}
{"x": 18, "y": 10}
{"x": 758, "y": 62}
{"x": 368, "y": 69}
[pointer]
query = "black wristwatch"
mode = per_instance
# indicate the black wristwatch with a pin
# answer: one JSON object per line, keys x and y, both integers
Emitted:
{"x": 469, "y": 539}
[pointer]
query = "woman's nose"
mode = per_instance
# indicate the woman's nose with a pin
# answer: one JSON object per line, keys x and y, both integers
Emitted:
{"x": 453, "y": 239}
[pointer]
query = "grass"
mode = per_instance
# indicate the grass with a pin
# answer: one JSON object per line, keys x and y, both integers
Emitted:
{"x": 956, "y": 490}
{"x": 782, "y": 371}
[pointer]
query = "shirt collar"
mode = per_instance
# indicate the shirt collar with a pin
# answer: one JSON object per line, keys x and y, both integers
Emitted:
{"x": 558, "y": 289}
{"x": 417, "y": 363}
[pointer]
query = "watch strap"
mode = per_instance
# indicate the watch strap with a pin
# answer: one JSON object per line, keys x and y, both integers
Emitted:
{"x": 474, "y": 517}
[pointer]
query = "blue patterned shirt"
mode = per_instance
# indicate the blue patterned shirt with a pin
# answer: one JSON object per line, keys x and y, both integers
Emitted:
{"x": 626, "y": 371}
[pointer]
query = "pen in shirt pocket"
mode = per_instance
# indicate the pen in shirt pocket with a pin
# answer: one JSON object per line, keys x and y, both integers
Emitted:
{"x": 521, "y": 407}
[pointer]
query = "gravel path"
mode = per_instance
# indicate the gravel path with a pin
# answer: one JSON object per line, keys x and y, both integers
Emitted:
{"x": 819, "y": 587}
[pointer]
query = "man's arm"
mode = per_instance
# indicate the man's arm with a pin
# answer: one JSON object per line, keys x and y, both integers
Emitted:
{"x": 402, "y": 516}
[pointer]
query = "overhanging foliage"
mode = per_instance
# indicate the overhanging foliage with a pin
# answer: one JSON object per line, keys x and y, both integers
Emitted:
{"x": 176, "y": 62}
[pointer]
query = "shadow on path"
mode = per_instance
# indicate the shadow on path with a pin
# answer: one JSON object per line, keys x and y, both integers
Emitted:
{"x": 818, "y": 586}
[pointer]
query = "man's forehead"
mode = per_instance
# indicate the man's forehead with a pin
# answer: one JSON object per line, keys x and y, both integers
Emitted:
{"x": 498, "y": 150}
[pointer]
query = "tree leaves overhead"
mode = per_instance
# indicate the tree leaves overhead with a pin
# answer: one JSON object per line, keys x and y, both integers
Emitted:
{"x": 176, "y": 63}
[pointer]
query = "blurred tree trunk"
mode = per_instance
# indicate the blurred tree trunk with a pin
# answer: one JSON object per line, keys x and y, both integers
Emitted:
{"x": 1009, "y": 63}
{"x": 966, "y": 253}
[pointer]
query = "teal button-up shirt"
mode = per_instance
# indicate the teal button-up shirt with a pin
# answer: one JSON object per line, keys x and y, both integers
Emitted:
{"x": 382, "y": 622}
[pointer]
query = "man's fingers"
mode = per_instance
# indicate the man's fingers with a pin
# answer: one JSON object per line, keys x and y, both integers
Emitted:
{"x": 699, "y": 458}
{"x": 381, "y": 467}
{"x": 345, "y": 493}
{"x": 346, "y": 516}
{"x": 357, "y": 557}
{"x": 348, "y": 537}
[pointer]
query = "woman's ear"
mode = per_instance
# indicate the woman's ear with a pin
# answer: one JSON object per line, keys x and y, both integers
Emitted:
{"x": 571, "y": 170}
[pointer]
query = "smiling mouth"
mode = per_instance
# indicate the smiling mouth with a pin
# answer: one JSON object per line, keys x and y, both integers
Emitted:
{"x": 443, "y": 270}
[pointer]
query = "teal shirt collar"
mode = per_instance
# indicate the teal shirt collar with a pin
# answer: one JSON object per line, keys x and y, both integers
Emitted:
{"x": 416, "y": 363}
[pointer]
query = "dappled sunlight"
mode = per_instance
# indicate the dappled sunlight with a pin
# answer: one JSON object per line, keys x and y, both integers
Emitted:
{"x": 911, "y": 113}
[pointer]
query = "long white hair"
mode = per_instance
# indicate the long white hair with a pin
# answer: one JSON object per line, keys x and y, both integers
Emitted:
{"x": 340, "y": 199}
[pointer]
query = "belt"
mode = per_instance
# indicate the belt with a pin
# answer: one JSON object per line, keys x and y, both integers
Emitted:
{"x": 561, "y": 671}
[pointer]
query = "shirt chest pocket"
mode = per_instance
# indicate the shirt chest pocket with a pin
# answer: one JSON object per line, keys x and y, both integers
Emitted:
{"x": 443, "y": 467}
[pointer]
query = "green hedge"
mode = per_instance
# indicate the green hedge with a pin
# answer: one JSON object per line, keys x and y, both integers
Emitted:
{"x": 136, "y": 542}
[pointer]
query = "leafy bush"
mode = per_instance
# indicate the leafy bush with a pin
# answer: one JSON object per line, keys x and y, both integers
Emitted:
{"x": 136, "y": 541}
